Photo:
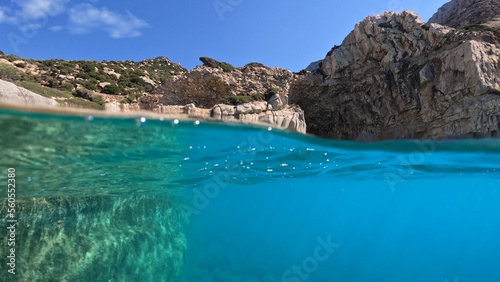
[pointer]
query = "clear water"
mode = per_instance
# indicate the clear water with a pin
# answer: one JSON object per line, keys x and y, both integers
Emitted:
{"x": 252, "y": 203}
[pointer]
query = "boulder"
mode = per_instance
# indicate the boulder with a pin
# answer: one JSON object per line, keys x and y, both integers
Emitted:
{"x": 15, "y": 95}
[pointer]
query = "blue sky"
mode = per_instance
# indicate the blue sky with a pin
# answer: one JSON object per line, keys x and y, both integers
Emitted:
{"x": 288, "y": 34}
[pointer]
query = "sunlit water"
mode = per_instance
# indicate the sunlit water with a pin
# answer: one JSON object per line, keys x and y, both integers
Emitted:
{"x": 259, "y": 204}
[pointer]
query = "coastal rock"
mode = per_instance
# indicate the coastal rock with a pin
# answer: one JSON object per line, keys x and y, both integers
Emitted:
{"x": 395, "y": 77}
{"x": 15, "y": 95}
{"x": 194, "y": 93}
{"x": 206, "y": 86}
{"x": 460, "y": 13}
{"x": 288, "y": 117}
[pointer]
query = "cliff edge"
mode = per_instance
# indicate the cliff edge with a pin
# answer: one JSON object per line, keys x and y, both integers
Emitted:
{"x": 461, "y": 13}
{"x": 395, "y": 77}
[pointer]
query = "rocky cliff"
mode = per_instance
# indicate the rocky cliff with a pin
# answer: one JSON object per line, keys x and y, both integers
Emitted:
{"x": 395, "y": 77}
{"x": 206, "y": 86}
{"x": 460, "y": 13}
{"x": 198, "y": 94}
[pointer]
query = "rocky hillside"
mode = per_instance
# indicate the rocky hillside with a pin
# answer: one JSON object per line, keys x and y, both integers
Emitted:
{"x": 462, "y": 13}
{"x": 88, "y": 83}
{"x": 396, "y": 77}
{"x": 210, "y": 84}
{"x": 218, "y": 91}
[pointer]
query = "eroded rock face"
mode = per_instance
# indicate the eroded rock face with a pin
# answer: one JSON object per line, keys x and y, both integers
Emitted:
{"x": 206, "y": 86}
{"x": 394, "y": 77}
{"x": 280, "y": 115}
{"x": 460, "y": 13}
{"x": 289, "y": 118}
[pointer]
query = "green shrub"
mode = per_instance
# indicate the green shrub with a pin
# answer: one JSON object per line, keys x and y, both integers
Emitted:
{"x": 68, "y": 86}
{"x": 209, "y": 62}
{"x": 478, "y": 27}
{"x": 226, "y": 67}
{"x": 258, "y": 97}
{"x": 1, "y": 53}
{"x": 81, "y": 103}
{"x": 20, "y": 65}
{"x": 83, "y": 75}
{"x": 98, "y": 99}
{"x": 112, "y": 89}
{"x": 52, "y": 83}
{"x": 270, "y": 93}
{"x": 65, "y": 70}
{"x": 130, "y": 98}
{"x": 12, "y": 58}
{"x": 89, "y": 84}
{"x": 236, "y": 100}
{"x": 82, "y": 93}
{"x": 426, "y": 26}
{"x": 254, "y": 64}
{"x": 11, "y": 73}
{"x": 44, "y": 91}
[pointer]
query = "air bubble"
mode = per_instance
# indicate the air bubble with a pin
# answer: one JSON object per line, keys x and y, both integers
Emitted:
{"x": 196, "y": 122}
{"x": 89, "y": 118}
{"x": 140, "y": 121}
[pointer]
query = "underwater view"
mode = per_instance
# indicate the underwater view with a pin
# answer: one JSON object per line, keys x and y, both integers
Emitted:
{"x": 87, "y": 198}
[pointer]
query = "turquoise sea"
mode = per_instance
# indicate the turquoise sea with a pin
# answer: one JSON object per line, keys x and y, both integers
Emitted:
{"x": 125, "y": 199}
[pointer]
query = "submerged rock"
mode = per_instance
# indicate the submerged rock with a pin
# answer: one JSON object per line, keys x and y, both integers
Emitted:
{"x": 102, "y": 238}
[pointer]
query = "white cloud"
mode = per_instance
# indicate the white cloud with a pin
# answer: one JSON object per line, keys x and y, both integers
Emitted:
{"x": 30, "y": 27}
{"x": 56, "y": 28}
{"x": 36, "y": 9}
{"x": 4, "y": 16}
{"x": 84, "y": 18}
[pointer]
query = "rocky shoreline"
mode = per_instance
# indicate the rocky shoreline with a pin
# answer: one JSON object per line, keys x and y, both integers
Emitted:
{"x": 393, "y": 77}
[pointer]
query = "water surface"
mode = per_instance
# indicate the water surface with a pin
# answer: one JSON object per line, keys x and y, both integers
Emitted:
{"x": 189, "y": 201}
